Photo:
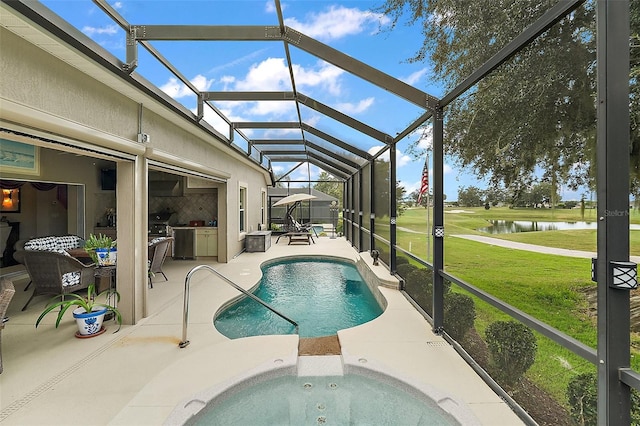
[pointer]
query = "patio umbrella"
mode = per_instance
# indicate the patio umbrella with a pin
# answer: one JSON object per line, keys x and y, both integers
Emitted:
{"x": 291, "y": 199}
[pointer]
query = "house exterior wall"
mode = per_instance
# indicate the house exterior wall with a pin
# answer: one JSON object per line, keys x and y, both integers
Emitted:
{"x": 41, "y": 92}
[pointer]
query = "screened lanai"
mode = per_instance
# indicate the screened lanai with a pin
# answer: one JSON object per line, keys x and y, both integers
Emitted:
{"x": 363, "y": 155}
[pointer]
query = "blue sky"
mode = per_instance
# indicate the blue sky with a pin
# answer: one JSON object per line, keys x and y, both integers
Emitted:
{"x": 347, "y": 26}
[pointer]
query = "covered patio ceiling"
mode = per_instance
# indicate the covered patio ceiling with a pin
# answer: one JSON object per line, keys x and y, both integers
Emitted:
{"x": 314, "y": 131}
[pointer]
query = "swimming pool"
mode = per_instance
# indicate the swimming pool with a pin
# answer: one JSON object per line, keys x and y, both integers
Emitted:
{"x": 322, "y": 295}
{"x": 322, "y": 391}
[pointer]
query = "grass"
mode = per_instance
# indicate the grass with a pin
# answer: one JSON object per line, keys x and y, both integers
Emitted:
{"x": 548, "y": 287}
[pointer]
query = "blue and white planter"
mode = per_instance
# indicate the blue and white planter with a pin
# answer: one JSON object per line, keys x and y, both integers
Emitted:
{"x": 89, "y": 323}
{"x": 106, "y": 257}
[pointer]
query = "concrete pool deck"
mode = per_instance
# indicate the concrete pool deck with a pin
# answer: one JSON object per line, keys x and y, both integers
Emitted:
{"x": 138, "y": 375}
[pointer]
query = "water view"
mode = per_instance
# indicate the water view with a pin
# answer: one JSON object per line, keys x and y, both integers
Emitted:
{"x": 511, "y": 226}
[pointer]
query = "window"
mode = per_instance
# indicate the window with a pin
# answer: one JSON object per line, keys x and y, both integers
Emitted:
{"x": 243, "y": 203}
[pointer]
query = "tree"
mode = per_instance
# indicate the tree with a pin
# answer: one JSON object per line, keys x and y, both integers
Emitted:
{"x": 495, "y": 196}
{"x": 330, "y": 185}
{"x": 470, "y": 196}
{"x": 536, "y": 110}
{"x": 382, "y": 189}
{"x": 401, "y": 192}
{"x": 537, "y": 194}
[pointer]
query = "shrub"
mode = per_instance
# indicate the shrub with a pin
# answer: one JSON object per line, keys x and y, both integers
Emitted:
{"x": 583, "y": 400}
{"x": 401, "y": 260}
{"x": 459, "y": 315}
{"x": 405, "y": 269}
{"x": 512, "y": 350}
{"x": 582, "y": 397}
{"x": 420, "y": 287}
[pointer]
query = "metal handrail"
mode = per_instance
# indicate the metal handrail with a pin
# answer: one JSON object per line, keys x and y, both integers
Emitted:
{"x": 187, "y": 283}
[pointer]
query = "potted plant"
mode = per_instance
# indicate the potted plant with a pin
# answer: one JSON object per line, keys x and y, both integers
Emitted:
{"x": 89, "y": 313}
{"x": 102, "y": 249}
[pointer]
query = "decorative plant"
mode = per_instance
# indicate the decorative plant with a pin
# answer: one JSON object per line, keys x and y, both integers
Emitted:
{"x": 88, "y": 303}
{"x": 98, "y": 242}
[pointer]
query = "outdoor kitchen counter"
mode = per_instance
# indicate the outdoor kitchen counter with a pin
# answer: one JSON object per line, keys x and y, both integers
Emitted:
{"x": 204, "y": 241}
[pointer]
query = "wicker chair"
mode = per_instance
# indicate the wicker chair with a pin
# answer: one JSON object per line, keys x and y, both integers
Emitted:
{"x": 55, "y": 273}
{"x": 158, "y": 250}
{"x": 6, "y": 293}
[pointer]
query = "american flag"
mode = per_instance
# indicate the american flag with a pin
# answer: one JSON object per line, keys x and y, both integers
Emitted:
{"x": 424, "y": 184}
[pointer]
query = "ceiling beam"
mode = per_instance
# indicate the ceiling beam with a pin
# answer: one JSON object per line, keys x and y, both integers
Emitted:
{"x": 336, "y": 142}
{"x": 249, "y": 96}
{"x": 332, "y": 154}
{"x": 344, "y": 119}
{"x": 329, "y": 169}
{"x": 278, "y": 141}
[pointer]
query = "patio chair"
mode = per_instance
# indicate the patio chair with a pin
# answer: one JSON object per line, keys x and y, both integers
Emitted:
{"x": 6, "y": 294}
{"x": 158, "y": 250}
{"x": 18, "y": 248}
{"x": 55, "y": 272}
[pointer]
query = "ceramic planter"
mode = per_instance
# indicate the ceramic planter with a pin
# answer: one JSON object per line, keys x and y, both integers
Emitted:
{"x": 106, "y": 257}
{"x": 89, "y": 324}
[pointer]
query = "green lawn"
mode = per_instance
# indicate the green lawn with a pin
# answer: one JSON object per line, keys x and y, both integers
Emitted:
{"x": 550, "y": 288}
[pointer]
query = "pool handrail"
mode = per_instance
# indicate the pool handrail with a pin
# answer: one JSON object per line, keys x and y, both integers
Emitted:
{"x": 185, "y": 317}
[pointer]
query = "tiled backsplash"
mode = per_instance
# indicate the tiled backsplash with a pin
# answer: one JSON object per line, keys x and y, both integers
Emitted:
{"x": 191, "y": 207}
{"x": 188, "y": 208}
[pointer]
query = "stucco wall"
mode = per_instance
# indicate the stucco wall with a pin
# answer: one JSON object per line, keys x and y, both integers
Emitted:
{"x": 32, "y": 77}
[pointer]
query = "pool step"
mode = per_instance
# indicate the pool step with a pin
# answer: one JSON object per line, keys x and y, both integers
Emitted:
{"x": 327, "y": 345}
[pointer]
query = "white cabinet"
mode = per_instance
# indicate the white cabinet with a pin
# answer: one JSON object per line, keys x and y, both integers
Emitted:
{"x": 206, "y": 242}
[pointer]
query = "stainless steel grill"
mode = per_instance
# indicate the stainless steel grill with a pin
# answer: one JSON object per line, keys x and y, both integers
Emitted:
{"x": 160, "y": 224}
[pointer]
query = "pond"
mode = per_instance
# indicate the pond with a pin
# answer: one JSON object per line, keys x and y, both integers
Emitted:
{"x": 511, "y": 226}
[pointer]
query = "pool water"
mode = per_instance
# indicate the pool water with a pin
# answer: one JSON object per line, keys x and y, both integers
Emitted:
{"x": 322, "y": 296}
{"x": 341, "y": 400}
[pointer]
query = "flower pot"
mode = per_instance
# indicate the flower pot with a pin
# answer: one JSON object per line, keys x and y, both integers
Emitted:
{"x": 89, "y": 324}
{"x": 106, "y": 257}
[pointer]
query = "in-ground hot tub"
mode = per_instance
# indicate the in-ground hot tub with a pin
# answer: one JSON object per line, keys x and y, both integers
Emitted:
{"x": 325, "y": 390}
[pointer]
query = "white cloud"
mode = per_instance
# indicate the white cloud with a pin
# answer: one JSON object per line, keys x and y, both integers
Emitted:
{"x": 269, "y": 75}
{"x": 425, "y": 140}
{"x": 117, "y": 5}
{"x": 324, "y": 76}
{"x": 177, "y": 89}
{"x": 415, "y": 77}
{"x": 272, "y": 74}
{"x": 351, "y": 108}
{"x": 201, "y": 82}
{"x": 270, "y": 7}
{"x": 401, "y": 159}
{"x": 336, "y": 22}
{"x": 108, "y": 30}
{"x": 274, "y": 108}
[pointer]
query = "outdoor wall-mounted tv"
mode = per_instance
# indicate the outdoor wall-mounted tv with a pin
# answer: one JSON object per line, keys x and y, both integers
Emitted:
{"x": 108, "y": 179}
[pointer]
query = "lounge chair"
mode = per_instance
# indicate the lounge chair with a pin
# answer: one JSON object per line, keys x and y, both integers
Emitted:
{"x": 6, "y": 293}
{"x": 158, "y": 250}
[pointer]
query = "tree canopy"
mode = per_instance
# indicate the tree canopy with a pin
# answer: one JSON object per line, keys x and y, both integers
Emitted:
{"x": 330, "y": 185}
{"x": 537, "y": 111}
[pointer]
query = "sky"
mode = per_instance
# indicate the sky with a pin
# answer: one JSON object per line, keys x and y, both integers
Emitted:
{"x": 348, "y": 26}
